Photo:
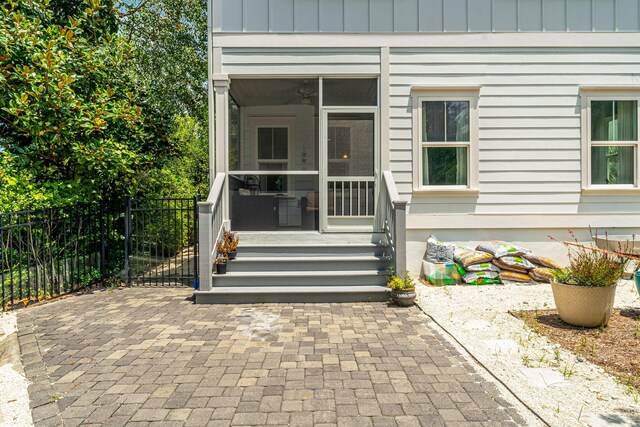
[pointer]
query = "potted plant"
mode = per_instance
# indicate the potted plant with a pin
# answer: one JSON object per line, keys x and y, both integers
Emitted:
{"x": 221, "y": 264}
{"x": 584, "y": 292}
{"x": 228, "y": 245}
{"x": 231, "y": 244}
{"x": 403, "y": 290}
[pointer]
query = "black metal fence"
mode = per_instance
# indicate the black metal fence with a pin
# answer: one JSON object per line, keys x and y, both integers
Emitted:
{"x": 162, "y": 240}
{"x": 50, "y": 252}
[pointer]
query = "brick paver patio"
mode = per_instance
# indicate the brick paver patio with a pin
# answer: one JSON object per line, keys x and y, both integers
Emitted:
{"x": 143, "y": 357}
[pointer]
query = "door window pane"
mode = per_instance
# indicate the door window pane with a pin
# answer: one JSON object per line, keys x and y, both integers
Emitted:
{"x": 350, "y": 144}
{"x": 445, "y": 121}
{"x": 612, "y": 165}
{"x": 614, "y": 120}
{"x": 444, "y": 166}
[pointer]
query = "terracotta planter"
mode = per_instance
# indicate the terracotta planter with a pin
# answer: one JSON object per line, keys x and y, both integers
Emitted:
{"x": 585, "y": 306}
{"x": 403, "y": 298}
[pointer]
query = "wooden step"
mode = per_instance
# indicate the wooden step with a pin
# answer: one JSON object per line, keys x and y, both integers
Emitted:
{"x": 306, "y": 263}
{"x": 291, "y": 294}
{"x": 302, "y": 278}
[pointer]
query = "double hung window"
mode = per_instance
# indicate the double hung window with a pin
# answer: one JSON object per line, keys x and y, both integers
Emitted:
{"x": 446, "y": 141}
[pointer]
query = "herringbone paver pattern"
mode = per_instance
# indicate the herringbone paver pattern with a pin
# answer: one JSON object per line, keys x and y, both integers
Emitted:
{"x": 141, "y": 357}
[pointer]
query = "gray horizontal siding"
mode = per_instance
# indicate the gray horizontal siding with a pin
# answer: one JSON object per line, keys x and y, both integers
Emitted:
{"x": 364, "y": 16}
{"x": 529, "y": 125}
{"x": 274, "y": 62}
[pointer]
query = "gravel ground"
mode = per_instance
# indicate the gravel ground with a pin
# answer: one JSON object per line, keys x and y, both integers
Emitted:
{"x": 14, "y": 396}
{"x": 562, "y": 388}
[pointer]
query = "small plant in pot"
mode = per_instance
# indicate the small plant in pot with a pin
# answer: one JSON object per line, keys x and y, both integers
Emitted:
{"x": 403, "y": 290}
{"x": 228, "y": 245}
{"x": 221, "y": 264}
{"x": 584, "y": 292}
{"x": 231, "y": 240}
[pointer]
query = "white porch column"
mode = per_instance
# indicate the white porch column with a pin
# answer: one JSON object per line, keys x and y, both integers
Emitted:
{"x": 221, "y": 100}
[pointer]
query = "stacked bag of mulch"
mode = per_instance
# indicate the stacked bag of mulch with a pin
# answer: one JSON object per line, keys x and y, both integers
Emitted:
{"x": 475, "y": 266}
{"x": 493, "y": 262}
{"x": 510, "y": 259}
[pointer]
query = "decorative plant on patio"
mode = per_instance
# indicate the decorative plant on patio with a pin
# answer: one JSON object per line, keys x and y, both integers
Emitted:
{"x": 403, "y": 289}
{"x": 584, "y": 292}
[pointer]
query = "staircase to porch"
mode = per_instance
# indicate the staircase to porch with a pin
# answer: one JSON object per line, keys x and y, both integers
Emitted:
{"x": 304, "y": 267}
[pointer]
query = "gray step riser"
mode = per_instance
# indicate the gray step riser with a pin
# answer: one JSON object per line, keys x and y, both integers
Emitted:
{"x": 310, "y": 265}
{"x": 311, "y": 251}
{"x": 264, "y": 281}
{"x": 319, "y": 297}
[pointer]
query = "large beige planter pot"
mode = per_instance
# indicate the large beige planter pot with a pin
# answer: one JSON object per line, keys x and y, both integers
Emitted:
{"x": 583, "y": 305}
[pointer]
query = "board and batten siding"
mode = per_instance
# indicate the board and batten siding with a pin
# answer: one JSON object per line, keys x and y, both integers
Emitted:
{"x": 529, "y": 125}
{"x": 375, "y": 16}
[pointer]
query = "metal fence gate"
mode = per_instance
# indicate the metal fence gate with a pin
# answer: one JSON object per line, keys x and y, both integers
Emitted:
{"x": 161, "y": 242}
{"x": 46, "y": 253}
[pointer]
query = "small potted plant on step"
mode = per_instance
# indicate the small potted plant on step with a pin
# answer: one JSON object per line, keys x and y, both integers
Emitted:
{"x": 403, "y": 290}
{"x": 231, "y": 244}
{"x": 584, "y": 292}
{"x": 221, "y": 264}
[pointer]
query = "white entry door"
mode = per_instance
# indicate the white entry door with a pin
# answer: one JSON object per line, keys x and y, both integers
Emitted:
{"x": 349, "y": 157}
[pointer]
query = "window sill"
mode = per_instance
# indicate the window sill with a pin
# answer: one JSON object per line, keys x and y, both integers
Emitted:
{"x": 446, "y": 191}
{"x": 613, "y": 191}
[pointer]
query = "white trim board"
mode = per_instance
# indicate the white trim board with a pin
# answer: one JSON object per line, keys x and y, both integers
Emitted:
{"x": 526, "y": 221}
{"x": 376, "y": 40}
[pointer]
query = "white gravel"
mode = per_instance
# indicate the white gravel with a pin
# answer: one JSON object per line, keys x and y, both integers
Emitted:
{"x": 563, "y": 389}
{"x": 14, "y": 395}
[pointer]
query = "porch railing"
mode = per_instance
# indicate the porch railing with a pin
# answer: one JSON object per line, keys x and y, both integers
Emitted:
{"x": 211, "y": 222}
{"x": 393, "y": 212}
{"x": 350, "y": 196}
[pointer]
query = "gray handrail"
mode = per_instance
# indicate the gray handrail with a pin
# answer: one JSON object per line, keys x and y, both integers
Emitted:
{"x": 211, "y": 220}
{"x": 394, "y": 211}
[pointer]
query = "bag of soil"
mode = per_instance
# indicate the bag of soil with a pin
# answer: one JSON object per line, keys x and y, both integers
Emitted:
{"x": 499, "y": 249}
{"x": 543, "y": 262}
{"x": 479, "y": 277}
{"x": 542, "y": 274}
{"x": 439, "y": 251}
{"x": 468, "y": 256}
{"x": 514, "y": 263}
{"x": 512, "y": 276}
{"x": 483, "y": 266}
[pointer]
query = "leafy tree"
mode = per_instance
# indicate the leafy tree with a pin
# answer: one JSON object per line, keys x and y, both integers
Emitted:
{"x": 170, "y": 64}
{"x": 170, "y": 37}
{"x": 69, "y": 113}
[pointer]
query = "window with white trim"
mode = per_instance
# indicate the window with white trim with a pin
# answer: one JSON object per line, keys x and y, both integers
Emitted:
{"x": 447, "y": 141}
{"x": 273, "y": 148}
{"x": 273, "y": 155}
{"x": 611, "y": 141}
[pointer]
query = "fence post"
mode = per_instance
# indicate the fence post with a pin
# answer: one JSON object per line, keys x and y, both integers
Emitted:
{"x": 400, "y": 237}
{"x": 196, "y": 277}
{"x": 127, "y": 240}
{"x": 103, "y": 254}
